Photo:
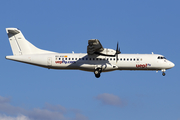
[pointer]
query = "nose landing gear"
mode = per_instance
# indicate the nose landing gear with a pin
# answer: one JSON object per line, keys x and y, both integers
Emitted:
{"x": 163, "y": 72}
{"x": 97, "y": 72}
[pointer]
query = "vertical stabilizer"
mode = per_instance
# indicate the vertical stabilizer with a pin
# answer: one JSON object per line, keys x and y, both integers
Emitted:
{"x": 19, "y": 45}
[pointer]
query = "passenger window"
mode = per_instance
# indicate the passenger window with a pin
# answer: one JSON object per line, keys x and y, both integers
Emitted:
{"x": 62, "y": 58}
{"x": 89, "y": 58}
{"x": 69, "y": 58}
{"x": 72, "y": 58}
{"x": 137, "y": 59}
{"x": 76, "y": 58}
{"x": 86, "y": 58}
{"x": 79, "y": 58}
{"x": 134, "y": 59}
{"x": 82, "y": 58}
{"x": 127, "y": 59}
{"x": 131, "y": 59}
{"x": 93, "y": 58}
{"x": 124, "y": 59}
{"x": 110, "y": 58}
{"x": 59, "y": 58}
{"x": 121, "y": 59}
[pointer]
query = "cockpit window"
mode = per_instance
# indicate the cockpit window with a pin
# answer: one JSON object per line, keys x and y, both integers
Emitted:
{"x": 161, "y": 57}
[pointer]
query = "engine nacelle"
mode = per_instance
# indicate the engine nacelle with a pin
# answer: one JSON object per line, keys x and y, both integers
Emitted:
{"x": 107, "y": 51}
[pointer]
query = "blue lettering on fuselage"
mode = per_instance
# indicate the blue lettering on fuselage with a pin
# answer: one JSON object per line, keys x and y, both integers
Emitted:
{"x": 65, "y": 62}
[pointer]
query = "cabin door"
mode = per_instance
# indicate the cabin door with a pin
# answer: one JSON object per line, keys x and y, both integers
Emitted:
{"x": 49, "y": 61}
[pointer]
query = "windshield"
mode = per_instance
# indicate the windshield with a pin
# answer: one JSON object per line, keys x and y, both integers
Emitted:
{"x": 161, "y": 57}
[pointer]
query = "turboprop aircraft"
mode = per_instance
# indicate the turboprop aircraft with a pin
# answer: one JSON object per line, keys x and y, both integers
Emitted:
{"x": 97, "y": 59}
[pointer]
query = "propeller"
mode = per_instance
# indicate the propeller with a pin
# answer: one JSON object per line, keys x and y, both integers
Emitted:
{"x": 117, "y": 51}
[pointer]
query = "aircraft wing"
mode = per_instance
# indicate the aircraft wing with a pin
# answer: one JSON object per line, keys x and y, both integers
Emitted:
{"x": 94, "y": 46}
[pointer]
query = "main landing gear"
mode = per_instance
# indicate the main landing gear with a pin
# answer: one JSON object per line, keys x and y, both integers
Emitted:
{"x": 97, "y": 72}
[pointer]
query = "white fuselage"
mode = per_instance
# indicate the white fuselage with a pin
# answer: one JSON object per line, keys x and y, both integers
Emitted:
{"x": 91, "y": 62}
{"x": 97, "y": 59}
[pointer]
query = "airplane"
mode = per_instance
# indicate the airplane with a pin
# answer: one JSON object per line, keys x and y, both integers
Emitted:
{"x": 97, "y": 59}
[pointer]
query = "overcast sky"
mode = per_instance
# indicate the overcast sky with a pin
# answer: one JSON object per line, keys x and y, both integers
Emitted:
{"x": 32, "y": 93}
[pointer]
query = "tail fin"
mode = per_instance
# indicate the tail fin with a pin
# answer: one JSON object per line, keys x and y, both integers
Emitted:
{"x": 19, "y": 45}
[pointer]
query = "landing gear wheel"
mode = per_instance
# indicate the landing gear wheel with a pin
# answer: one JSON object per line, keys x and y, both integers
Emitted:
{"x": 97, "y": 73}
{"x": 163, "y": 73}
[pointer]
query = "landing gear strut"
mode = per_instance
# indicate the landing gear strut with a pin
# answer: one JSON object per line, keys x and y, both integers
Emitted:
{"x": 97, "y": 72}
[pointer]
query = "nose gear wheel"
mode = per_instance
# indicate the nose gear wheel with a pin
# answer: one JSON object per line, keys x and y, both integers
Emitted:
{"x": 163, "y": 73}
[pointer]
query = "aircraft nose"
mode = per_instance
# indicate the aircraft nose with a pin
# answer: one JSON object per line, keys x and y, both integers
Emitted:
{"x": 171, "y": 64}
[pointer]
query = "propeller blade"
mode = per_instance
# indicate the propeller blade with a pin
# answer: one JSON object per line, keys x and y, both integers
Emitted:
{"x": 117, "y": 51}
{"x": 116, "y": 58}
{"x": 117, "y": 46}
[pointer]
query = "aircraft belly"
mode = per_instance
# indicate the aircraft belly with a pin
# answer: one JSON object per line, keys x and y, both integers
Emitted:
{"x": 87, "y": 67}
